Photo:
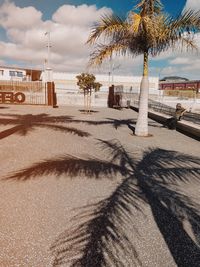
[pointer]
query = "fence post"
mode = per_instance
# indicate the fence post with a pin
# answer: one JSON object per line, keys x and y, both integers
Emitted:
{"x": 51, "y": 95}
{"x": 111, "y": 96}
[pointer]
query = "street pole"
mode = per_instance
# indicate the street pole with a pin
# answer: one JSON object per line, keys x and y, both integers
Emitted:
{"x": 48, "y": 49}
{"x": 48, "y": 68}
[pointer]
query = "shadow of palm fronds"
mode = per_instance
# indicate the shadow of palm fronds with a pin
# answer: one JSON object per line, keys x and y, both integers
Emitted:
{"x": 69, "y": 166}
{"x": 23, "y": 124}
{"x": 116, "y": 123}
{"x": 100, "y": 233}
{"x": 99, "y": 236}
{"x": 163, "y": 176}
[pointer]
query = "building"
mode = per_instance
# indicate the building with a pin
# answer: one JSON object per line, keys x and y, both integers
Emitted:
{"x": 67, "y": 91}
{"x": 19, "y": 74}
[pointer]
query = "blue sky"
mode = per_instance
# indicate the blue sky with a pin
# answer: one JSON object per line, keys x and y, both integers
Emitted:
{"x": 120, "y": 7}
{"x": 23, "y": 43}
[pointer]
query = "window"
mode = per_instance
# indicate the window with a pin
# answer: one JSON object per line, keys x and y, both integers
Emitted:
{"x": 19, "y": 74}
{"x": 12, "y": 73}
{"x": 1, "y": 72}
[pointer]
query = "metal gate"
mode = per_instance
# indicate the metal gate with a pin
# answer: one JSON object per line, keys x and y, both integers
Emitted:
{"x": 23, "y": 92}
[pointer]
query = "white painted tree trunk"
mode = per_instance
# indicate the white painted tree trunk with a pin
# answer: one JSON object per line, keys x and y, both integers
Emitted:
{"x": 141, "y": 128}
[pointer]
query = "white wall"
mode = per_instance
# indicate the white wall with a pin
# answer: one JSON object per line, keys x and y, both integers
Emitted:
{"x": 68, "y": 92}
{"x": 68, "y": 81}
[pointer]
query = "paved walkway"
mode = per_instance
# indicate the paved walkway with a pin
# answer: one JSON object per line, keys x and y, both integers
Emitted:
{"x": 82, "y": 189}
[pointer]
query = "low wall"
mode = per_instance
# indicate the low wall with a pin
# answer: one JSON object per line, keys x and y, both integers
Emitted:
{"x": 185, "y": 127}
{"x": 77, "y": 99}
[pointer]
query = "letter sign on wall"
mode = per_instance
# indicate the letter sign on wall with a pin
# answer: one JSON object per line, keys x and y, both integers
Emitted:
{"x": 10, "y": 97}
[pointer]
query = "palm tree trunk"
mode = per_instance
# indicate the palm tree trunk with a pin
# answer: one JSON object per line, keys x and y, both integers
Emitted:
{"x": 141, "y": 128}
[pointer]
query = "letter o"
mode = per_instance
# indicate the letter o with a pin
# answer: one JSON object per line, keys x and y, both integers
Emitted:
{"x": 19, "y": 97}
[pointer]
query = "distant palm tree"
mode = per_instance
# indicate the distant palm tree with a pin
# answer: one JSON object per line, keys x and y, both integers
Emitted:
{"x": 146, "y": 31}
{"x": 23, "y": 124}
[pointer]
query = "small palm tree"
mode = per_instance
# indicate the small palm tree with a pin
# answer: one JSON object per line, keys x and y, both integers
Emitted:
{"x": 86, "y": 82}
{"x": 147, "y": 30}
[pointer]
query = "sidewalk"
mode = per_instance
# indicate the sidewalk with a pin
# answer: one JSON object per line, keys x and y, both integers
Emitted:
{"x": 186, "y": 127}
{"x": 56, "y": 161}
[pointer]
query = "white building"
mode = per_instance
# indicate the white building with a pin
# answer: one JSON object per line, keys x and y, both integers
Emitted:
{"x": 12, "y": 74}
{"x": 19, "y": 74}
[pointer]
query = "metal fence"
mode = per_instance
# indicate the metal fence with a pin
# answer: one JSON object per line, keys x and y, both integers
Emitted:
{"x": 165, "y": 109}
{"x": 23, "y": 92}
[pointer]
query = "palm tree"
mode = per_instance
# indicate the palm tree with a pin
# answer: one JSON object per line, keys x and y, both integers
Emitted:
{"x": 146, "y": 31}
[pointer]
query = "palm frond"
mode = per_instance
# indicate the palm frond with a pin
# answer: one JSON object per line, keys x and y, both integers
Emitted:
{"x": 134, "y": 22}
{"x": 108, "y": 26}
{"x": 188, "y": 20}
{"x": 149, "y": 7}
{"x": 103, "y": 52}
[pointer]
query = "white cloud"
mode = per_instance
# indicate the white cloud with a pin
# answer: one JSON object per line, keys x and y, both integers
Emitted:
{"x": 12, "y": 16}
{"x": 180, "y": 61}
{"x": 69, "y": 29}
{"x": 82, "y": 15}
{"x": 192, "y": 4}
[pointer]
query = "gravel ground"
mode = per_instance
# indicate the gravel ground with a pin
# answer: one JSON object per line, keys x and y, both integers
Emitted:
{"x": 61, "y": 168}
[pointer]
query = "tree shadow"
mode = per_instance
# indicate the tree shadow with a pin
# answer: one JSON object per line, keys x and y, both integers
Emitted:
{"x": 3, "y": 107}
{"x": 100, "y": 233}
{"x": 69, "y": 166}
{"x": 116, "y": 123}
{"x": 108, "y": 121}
{"x": 176, "y": 215}
{"x": 24, "y": 124}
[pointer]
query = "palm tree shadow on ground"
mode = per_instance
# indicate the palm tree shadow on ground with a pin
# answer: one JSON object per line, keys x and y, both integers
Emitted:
{"x": 100, "y": 233}
{"x": 24, "y": 124}
{"x": 158, "y": 175}
{"x": 117, "y": 123}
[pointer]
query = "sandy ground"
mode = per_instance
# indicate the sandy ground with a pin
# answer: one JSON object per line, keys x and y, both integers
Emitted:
{"x": 56, "y": 161}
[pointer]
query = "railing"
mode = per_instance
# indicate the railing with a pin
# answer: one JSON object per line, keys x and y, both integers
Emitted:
{"x": 165, "y": 109}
